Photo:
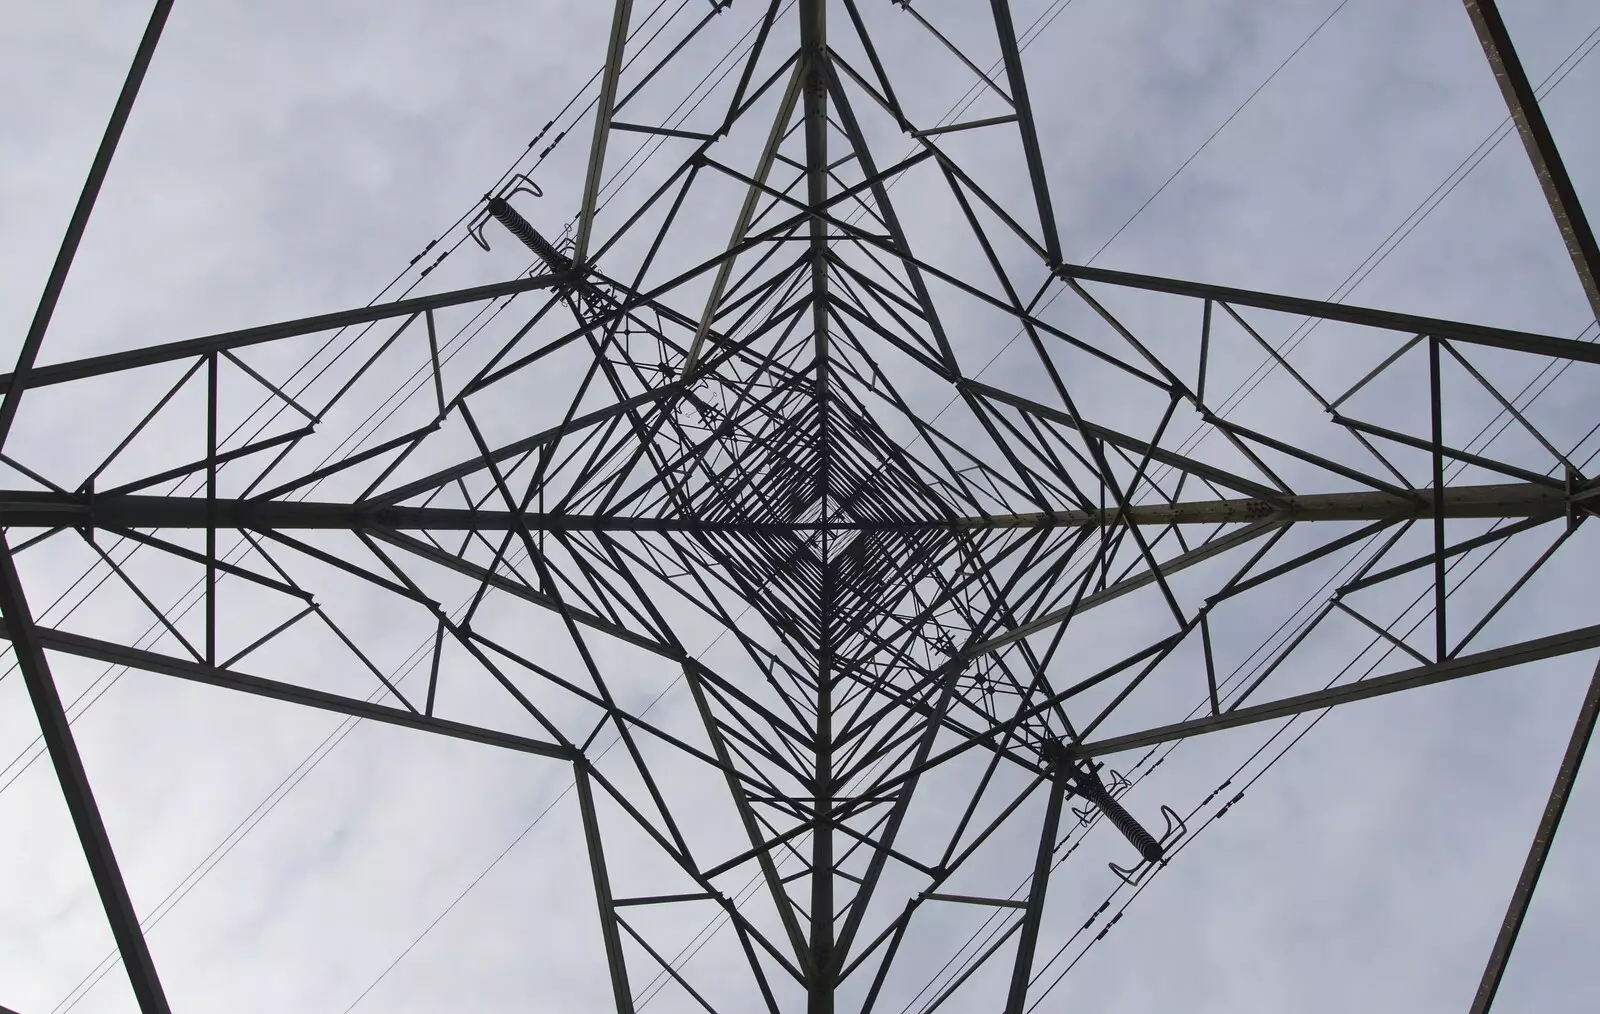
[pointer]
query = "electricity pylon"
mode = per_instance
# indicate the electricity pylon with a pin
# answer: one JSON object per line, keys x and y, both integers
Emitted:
{"x": 739, "y": 436}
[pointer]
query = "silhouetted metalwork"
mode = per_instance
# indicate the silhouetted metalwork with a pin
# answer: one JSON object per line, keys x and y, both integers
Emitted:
{"x": 909, "y": 606}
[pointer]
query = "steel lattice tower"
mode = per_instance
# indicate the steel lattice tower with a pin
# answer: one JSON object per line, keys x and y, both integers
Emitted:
{"x": 782, "y": 441}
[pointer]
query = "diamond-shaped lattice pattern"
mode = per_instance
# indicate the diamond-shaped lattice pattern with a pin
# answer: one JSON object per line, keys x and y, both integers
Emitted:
{"x": 825, "y": 517}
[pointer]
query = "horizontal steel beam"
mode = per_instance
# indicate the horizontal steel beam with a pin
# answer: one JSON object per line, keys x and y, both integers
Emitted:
{"x": 113, "y": 362}
{"x": 34, "y": 509}
{"x": 198, "y": 672}
{"x": 1496, "y": 500}
{"x": 1407, "y": 679}
{"x": 1495, "y": 337}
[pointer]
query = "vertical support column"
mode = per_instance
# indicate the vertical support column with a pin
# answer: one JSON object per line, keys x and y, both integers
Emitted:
{"x": 824, "y": 961}
{"x": 615, "y": 959}
{"x": 1541, "y": 146}
{"x": 1566, "y": 775}
{"x": 817, "y": 70}
{"x": 1028, "y": 942}
{"x": 57, "y": 735}
{"x": 825, "y": 957}
{"x": 814, "y": 104}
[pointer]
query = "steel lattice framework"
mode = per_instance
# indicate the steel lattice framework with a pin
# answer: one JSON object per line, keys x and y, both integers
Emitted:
{"x": 784, "y": 437}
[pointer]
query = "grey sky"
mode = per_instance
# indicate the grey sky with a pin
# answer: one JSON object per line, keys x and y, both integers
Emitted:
{"x": 291, "y": 159}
